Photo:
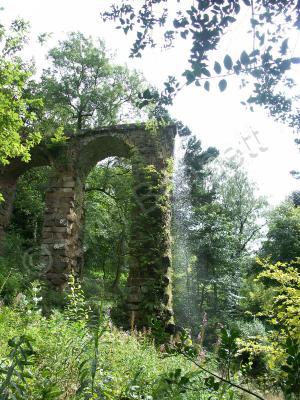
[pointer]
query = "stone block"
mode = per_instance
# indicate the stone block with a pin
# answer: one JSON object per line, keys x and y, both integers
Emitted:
{"x": 48, "y": 220}
{"x": 45, "y": 251}
{"x": 61, "y": 221}
{"x": 60, "y": 267}
{"x": 48, "y": 240}
{"x": 134, "y": 298}
{"x": 59, "y": 252}
{"x": 46, "y": 235}
{"x": 66, "y": 190}
{"x": 132, "y": 307}
{"x": 144, "y": 289}
{"x": 61, "y": 229}
{"x": 62, "y": 235}
{"x": 57, "y": 279}
{"x": 47, "y": 229}
{"x": 58, "y": 246}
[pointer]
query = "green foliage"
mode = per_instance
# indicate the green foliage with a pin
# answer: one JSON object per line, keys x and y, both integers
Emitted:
{"x": 17, "y": 269}
{"x": 212, "y": 383}
{"x": 290, "y": 384}
{"x": 16, "y": 113}
{"x": 227, "y": 350}
{"x": 76, "y": 309}
{"x": 196, "y": 161}
{"x": 108, "y": 204}
{"x": 280, "y": 344}
{"x": 284, "y": 281}
{"x": 222, "y": 220}
{"x": 59, "y": 357}
{"x": 82, "y": 88}
{"x": 58, "y": 136}
{"x": 27, "y": 217}
{"x": 204, "y": 23}
{"x": 283, "y": 238}
{"x": 13, "y": 375}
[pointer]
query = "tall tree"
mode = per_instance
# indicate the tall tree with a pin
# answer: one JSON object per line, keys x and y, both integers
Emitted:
{"x": 17, "y": 133}
{"x": 82, "y": 88}
{"x": 223, "y": 224}
{"x": 241, "y": 203}
{"x": 283, "y": 238}
{"x": 190, "y": 189}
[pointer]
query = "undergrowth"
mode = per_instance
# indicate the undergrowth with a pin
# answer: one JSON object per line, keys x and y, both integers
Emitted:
{"x": 78, "y": 354}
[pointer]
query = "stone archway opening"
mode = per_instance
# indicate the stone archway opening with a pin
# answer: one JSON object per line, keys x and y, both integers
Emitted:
{"x": 107, "y": 208}
{"x": 22, "y": 215}
{"x": 29, "y": 204}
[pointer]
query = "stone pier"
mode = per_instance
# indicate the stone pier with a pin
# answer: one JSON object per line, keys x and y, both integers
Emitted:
{"x": 62, "y": 250}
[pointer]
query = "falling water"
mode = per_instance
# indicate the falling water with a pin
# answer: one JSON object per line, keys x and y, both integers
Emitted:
{"x": 181, "y": 252}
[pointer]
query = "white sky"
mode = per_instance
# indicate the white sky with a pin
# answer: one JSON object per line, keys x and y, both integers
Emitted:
{"x": 218, "y": 119}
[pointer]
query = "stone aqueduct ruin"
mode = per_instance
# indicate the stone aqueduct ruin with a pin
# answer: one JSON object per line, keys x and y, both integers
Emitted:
{"x": 151, "y": 154}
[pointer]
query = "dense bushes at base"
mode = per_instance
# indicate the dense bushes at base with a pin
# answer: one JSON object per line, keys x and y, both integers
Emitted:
{"x": 18, "y": 268}
{"x": 68, "y": 360}
{"x": 76, "y": 354}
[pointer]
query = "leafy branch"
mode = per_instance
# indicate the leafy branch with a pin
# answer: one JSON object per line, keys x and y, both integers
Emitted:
{"x": 14, "y": 374}
{"x": 186, "y": 349}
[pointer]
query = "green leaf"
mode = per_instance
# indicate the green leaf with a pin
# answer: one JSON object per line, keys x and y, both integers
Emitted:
{"x": 147, "y": 94}
{"x": 190, "y": 76}
{"x": 285, "y": 65}
{"x": 228, "y": 62}
{"x": 254, "y": 22}
{"x": 245, "y": 60}
{"x": 205, "y": 72}
{"x": 207, "y": 86}
{"x": 284, "y": 47}
{"x": 197, "y": 69}
{"x": 222, "y": 85}
{"x": 217, "y": 68}
{"x": 254, "y": 53}
{"x": 184, "y": 34}
{"x": 256, "y": 73}
{"x": 295, "y": 60}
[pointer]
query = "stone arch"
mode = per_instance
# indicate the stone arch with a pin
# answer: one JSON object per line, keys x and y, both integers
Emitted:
{"x": 62, "y": 236}
{"x": 149, "y": 282}
{"x": 95, "y": 150}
